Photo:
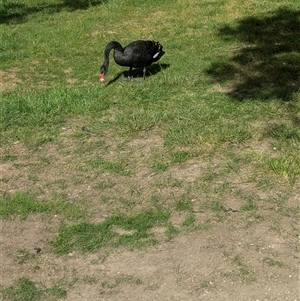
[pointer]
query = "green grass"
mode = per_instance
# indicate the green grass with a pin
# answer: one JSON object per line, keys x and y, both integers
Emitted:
{"x": 241, "y": 271}
{"x": 115, "y": 167}
{"x": 189, "y": 220}
{"x": 89, "y": 237}
{"x": 182, "y": 205}
{"x": 22, "y": 204}
{"x": 26, "y": 290}
{"x": 44, "y": 111}
{"x": 122, "y": 279}
{"x": 272, "y": 262}
{"x": 159, "y": 167}
{"x": 23, "y": 255}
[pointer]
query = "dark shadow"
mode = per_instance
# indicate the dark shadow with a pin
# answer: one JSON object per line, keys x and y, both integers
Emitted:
{"x": 115, "y": 79}
{"x": 151, "y": 70}
{"x": 267, "y": 64}
{"x": 12, "y": 12}
{"x": 81, "y": 4}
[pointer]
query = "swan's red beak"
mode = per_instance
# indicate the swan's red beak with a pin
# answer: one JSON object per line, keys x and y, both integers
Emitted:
{"x": 102, "y": 76}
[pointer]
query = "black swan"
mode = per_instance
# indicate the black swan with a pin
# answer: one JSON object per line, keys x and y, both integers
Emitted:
{"x": 138, "y": 54}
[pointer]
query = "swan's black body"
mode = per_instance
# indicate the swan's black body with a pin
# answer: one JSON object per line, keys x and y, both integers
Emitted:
{"x": 138, "y": 54}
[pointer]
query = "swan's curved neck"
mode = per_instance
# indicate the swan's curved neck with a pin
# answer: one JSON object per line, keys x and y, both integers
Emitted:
{"x": 111, "y": 45}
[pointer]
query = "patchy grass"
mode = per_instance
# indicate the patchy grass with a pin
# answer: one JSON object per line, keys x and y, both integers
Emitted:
{"x": 23, "y": 204}
{"x": 90, "y": 237}
{"x": 27, "y": 290}
{"x": 23, "y": 255}
{"x": 272, "y": 262}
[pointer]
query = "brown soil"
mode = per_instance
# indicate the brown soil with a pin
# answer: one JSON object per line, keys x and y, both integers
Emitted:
{"x": 9, "y": 80}
{"x": 242, "y": 256}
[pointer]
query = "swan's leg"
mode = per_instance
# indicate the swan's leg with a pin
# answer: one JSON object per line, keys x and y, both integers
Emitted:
{"x": 129, "y": 76}
{"x": 144, "y": 73}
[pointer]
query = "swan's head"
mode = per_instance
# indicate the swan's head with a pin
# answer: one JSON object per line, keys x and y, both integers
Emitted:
{"x": 103, "y": 71}
{"x": 102, "y": 77}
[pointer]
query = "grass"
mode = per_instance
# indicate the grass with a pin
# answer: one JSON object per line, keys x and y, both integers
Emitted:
{"x": 127, "y": 279}
{"x": 115, "y": 167}
{"x": 27, "y": 290}
{"x": 23, "y": 255}
{"x": 23, "y": 204}
{"x": 215, "y": 122}
{"x": 241, "y": 271}
{"x": 90, "y": 237}
{"x": 272, "y": 262}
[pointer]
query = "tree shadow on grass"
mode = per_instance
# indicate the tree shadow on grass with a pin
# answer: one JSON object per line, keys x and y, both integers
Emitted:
{"x": 267, "y": 65}
{"x": 12, "y": 12}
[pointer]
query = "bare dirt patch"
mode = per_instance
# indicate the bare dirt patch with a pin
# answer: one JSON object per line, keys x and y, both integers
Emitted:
{"x": 245, "y": 254}
{"x": 221, "y": 264}
{"x": 9, "y": 79}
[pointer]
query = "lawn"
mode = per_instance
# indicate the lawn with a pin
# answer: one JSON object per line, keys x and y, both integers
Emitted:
{"x": 184, "y": 186}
